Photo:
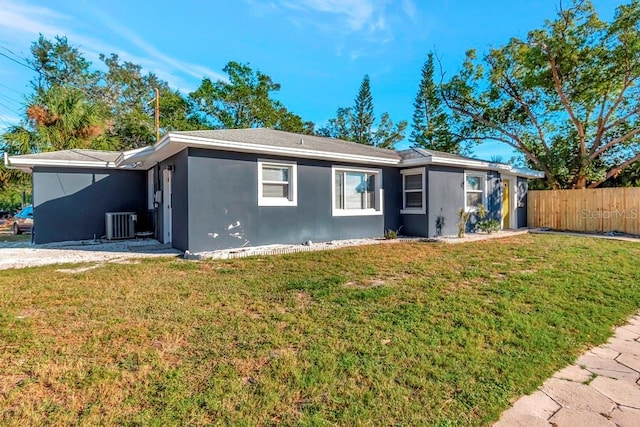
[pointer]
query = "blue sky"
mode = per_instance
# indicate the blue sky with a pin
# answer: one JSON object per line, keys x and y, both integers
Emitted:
{"x": 318, "y": 50}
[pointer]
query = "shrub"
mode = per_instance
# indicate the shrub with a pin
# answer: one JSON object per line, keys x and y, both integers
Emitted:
{"x": 488, "y": 225}
{"x": 391, "y": 234}
{"x": 463, "y": 218}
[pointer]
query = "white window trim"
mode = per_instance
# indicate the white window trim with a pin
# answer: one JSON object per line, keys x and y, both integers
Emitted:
{"x": 292, "y": 200}
{"x": 151, "y": 187}
{"x": 405, "y": 209}
{"x": 483, "y": 182}
{"x": 356, "y": 212}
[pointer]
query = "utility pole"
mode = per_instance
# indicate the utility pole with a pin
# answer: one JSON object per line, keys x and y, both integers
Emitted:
{"x": 157, "y": 114}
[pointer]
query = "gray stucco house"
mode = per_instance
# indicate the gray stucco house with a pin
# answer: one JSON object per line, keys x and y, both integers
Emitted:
{"x": 218, "y": 189}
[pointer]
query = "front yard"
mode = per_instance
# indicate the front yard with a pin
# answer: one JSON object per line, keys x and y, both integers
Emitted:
{"x": 414, "y": 333}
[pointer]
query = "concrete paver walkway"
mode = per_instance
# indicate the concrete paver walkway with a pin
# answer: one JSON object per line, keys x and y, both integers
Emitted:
{"x": 602, "y": 388}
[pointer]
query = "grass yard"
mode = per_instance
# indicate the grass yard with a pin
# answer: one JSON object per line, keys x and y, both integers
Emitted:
{"x": 407, "y": 334}
{"x": 10, "y": 237}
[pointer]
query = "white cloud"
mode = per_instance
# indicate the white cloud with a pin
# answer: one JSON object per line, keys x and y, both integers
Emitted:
{"x": 355, "y": 14}
{"x": 409, "y": 8}
{"x": 30, "y": 19}
{"x": 193, "y": 70}
{"x": 358, "y": 27}
{"x": 21, "y": 23}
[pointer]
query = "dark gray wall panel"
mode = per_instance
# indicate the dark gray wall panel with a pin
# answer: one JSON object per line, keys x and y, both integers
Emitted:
{"x": 392, "y": 181}
{"x": 445, "y": 196}
{"x": 70, "y": 203}
{"x": 224, "y": 211}
{"x": 494, "y": 195}
{"x": 521, "y": 210}
{"x": 415, "y": 225}
{"x": 179, "y": 200}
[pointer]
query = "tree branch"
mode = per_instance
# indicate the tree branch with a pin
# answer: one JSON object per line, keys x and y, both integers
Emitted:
{"x": 616, "y": 170}
{"x": 565, "y": 100}
{"x": 517, "y": 145}
{"x": 615, "y": 141}
{"x": 601, "y": 124}
{"x": 622, "y": 119}
{"x": 516, "y": 95}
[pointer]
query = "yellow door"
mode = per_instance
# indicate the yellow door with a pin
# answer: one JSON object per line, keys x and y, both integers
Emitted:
{"x": 506, "y": 208}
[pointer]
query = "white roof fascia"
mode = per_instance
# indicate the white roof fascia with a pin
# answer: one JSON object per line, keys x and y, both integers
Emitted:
{"x": 125, "y": 155}
{"x": 528, "y": 173}
{"x": 470, "y": 163}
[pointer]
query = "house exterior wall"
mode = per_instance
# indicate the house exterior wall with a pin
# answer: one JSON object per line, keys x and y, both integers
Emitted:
{"x": 414, "y": 224}
{"x": 179, "y": 199}
{"x": 392, "y": 180}
{"x": 445, "y": 196}
{"x": 494, "y": 195}
{"x": 70, "y": 203}
{"x": 521, "y": 200}
{"x": 224, "y": 213}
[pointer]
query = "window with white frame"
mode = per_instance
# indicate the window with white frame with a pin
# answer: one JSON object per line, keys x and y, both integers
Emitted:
{"x": 356, "y": 191}
{"x": 474, "y": 189}
{"x": 413, "y": 194}
{"x": 277, "y": 183}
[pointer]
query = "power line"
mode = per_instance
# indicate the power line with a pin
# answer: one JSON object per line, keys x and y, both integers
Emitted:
{"x": 12, "y": 52}
{"x": 11, "y": 89}
{"x": 20, "y": 57}
{"x": 9, "y": 108}
{"x": 18, "y": 62}
{"x": 8, "y": 98}
{"x": 6, "y": 122}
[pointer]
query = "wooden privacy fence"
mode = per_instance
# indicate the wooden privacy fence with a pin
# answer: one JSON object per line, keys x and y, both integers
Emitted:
{"x": 591, "y": 210}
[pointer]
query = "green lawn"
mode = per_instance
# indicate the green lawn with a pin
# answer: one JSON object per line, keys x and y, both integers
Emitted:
{"x": 408, "y": 334}
{"x": 10, "y": 237}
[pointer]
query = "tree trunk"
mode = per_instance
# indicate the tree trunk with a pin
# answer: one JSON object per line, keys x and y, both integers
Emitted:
{"x": 580, "y": 183}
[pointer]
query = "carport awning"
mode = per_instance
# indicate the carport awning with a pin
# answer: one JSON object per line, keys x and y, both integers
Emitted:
{"x": 76, "y": 158}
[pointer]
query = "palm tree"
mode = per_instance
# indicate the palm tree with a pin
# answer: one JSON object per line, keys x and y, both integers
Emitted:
{"x": 60, "y": 119}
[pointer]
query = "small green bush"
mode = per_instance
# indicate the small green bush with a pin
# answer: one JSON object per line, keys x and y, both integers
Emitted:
{"x": 391, "y": 234}
{"x": 488, "y": 226}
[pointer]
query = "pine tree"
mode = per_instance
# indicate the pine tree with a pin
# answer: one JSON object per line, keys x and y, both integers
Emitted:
{"x": 430, "y": 121}
{"x": 363, "y": 113}
{"x": 357, "y": 123}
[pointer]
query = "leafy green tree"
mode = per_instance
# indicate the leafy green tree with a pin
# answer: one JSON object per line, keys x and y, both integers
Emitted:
{"x": 357, "y": 123}
{"x": 339, "y": 127}
{"x": 431, "y": 129}
{"x": 387, "y": 134}
{"x": 567, "y": 97}
{"x": 244, "y": 101}
{"x": 121, "y": 98}
{"x": 129, "y": 96}
{"x": 57, "y": 63}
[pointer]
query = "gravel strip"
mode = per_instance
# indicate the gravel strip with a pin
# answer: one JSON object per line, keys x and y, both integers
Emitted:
{"x": 24, "y": 254}
{"x": 336, "y": 244}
